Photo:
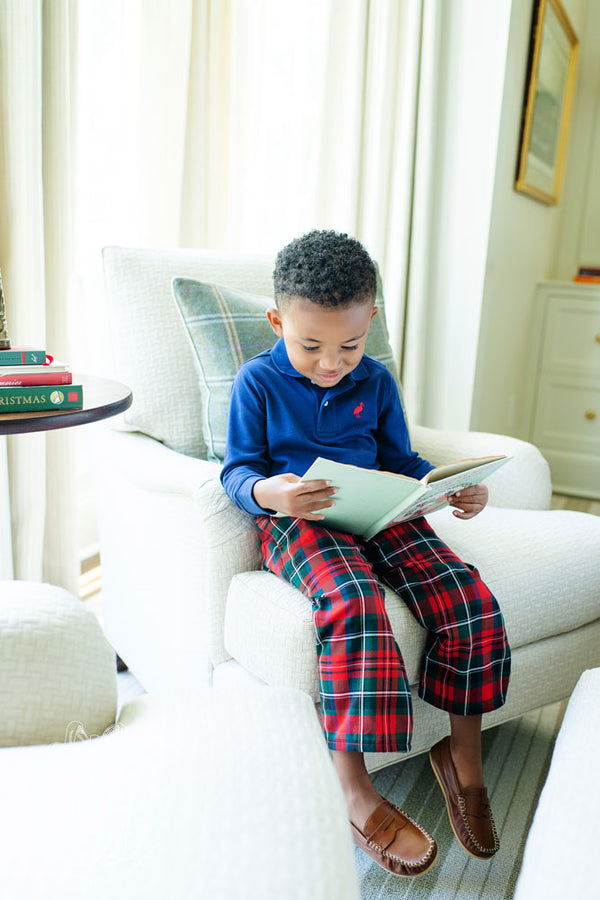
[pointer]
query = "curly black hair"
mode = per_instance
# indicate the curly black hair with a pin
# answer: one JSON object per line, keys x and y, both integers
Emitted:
{"x": 327, "y": 267}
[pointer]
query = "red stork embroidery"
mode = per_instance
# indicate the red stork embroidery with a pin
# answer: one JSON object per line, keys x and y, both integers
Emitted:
{"x": 358, "y": 409}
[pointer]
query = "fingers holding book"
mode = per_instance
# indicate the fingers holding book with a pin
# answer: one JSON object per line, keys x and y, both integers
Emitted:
{"x": 288, "y": 495}
{"x": 469, "y": 501}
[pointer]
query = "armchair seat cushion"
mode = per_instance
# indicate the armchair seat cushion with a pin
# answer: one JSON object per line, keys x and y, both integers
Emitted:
{"x": 530, "y": 590}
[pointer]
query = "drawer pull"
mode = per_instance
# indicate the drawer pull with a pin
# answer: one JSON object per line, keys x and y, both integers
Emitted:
{"x": 590, "y": 414}
{"x": 597, "y": 338}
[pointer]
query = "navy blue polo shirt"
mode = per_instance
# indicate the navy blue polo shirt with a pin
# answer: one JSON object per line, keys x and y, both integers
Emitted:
{"x": 280, "y": 422}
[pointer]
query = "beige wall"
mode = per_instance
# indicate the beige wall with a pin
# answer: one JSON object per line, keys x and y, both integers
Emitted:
{"x": 529, "y": 241}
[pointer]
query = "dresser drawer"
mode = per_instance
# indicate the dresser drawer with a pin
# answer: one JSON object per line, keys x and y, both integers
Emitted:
{"x": 568, "y": 415}
{"x": 572, "y": 337}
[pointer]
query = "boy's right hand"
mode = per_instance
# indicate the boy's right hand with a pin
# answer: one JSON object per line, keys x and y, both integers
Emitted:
{"x": 289, "y": 495}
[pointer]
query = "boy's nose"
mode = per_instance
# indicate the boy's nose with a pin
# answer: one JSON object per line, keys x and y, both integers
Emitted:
{"x": 330, "y": 362}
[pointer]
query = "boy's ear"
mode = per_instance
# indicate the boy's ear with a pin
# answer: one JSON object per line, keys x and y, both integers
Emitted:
{"x": 274, "y": 317}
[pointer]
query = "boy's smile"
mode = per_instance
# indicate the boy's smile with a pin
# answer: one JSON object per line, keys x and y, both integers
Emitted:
{"x": 323, "y": 343}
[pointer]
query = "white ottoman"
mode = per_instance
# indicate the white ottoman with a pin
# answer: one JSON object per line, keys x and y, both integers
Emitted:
{"x": 214, "y": 795}
{"x": 560, "y": 855}
{"x": 57, "y": 670}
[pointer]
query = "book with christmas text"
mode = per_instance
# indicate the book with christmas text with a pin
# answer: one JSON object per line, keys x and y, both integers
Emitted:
{"x": 39, "y": 398}
{"x": 369, "y": 500}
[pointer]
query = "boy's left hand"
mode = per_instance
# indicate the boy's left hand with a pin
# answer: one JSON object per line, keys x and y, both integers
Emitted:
{"x": 469, "y": 501}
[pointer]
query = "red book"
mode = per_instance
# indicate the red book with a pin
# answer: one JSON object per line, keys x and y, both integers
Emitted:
{"x": 16, "y": 380}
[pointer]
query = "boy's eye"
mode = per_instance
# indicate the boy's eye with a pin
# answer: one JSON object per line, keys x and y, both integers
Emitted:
{"x": 312, "y": 349}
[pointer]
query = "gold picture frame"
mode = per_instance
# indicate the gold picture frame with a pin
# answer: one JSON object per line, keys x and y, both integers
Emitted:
{"x": 548, "y": 100}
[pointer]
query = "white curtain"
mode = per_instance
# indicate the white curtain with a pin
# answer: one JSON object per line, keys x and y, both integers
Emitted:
{"x": 420, "y": 259}
{"x": 241, "y": 123}
{"x": 212, "y": 123}
{"x": 39, "y": 536}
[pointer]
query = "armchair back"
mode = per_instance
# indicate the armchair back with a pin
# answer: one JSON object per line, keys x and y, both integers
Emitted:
{"x": 151, "y": 351}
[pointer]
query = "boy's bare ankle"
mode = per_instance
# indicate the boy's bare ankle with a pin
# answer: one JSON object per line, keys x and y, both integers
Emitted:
{"x": 361, "y": 799}
{"x": 468, "y": 764}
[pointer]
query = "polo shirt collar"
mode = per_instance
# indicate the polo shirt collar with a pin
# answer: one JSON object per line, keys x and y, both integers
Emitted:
{"x": 281, "y": 361}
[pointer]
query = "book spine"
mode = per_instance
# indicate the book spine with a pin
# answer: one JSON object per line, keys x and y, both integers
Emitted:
{"x": 22, "y": 357}
{"x": 588, "y": 270}
{"x": 16, "y": 380}
{"x": 38, "y": 399}
{"x": 587, "y": 279}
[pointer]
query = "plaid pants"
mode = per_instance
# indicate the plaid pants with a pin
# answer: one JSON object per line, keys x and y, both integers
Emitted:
{"x": 365, "y": 695}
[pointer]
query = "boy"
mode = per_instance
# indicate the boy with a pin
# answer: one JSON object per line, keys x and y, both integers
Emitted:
{"x": 316, "y": 394}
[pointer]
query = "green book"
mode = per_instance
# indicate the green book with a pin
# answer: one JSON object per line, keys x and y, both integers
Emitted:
{"x": 38, "y": 398}
{"x": 22, "y": 356}
{"x": 369, "y": 500}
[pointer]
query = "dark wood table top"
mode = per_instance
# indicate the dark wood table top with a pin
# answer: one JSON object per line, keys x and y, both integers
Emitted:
{"x": 102, "y": 398}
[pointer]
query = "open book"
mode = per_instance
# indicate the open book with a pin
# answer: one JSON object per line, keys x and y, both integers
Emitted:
{"x": 369, "y": 500}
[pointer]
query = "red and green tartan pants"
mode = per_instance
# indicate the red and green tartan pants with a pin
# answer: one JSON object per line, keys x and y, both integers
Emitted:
{"x": 365, "y": 696}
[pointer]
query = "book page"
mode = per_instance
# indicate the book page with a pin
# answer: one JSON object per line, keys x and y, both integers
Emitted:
{"x": 440, "y": 490}
{"x": 365, "y": 496}
{"x": 462, "y": 465}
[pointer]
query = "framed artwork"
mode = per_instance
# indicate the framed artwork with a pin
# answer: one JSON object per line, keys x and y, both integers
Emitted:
{"x": 547, "y": 105}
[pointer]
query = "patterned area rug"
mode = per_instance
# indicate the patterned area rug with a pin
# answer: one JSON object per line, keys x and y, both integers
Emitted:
{"x": 516, "y": 759}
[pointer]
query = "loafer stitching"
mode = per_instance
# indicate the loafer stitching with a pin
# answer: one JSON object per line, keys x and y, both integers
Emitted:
{"x": 462, "y": 803}
{"x": 487, "y": 851}
{"x": 411, "y": 865}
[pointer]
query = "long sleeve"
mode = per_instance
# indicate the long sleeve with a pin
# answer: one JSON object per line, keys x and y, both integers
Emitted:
{"x": 246, "y": 454}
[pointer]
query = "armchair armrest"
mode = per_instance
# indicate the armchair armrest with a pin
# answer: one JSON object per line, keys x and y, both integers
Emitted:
{"x": 171, "y": 540}
{"x": 524, "y": 483}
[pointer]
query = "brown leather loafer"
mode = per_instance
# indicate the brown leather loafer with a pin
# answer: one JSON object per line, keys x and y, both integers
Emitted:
{"x": 381, "y": 828}
{"x": 468, "y": 810}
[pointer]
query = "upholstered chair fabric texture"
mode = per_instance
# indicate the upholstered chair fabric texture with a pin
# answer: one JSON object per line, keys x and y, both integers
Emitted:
{"x": 57, "y": 670}
{"x": 200, "y": 795}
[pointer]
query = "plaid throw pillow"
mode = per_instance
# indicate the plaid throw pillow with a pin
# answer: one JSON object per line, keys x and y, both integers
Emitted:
{"x": 227, "y": 327}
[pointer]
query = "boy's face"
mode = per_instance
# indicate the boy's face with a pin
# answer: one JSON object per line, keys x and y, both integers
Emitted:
{"x": 323, "y": 343}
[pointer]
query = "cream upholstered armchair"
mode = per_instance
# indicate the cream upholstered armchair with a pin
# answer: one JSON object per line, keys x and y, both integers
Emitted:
{"x": 166, "y": 802}
{"x": 184, "y": 597}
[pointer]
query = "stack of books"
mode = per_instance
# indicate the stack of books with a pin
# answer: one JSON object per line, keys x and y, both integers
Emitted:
{"x": 31, "y": 381}
{"x": 587, "y": 275}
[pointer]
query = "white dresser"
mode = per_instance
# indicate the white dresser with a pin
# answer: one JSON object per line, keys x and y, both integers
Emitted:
{"x": 565, "y": 384}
